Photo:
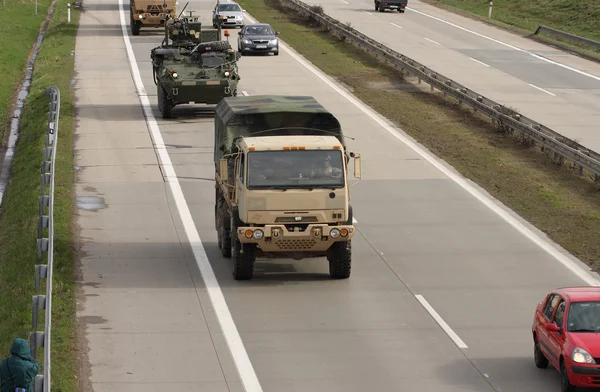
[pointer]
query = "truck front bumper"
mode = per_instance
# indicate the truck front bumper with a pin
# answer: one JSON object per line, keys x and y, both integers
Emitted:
{"x": 277, "y": 238}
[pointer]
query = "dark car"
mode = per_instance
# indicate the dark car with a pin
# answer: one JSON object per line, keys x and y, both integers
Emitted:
{"x": 258, "y": 38}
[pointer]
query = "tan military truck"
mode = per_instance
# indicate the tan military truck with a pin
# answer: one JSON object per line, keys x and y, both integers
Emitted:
{"x": 282, "y": 187}
{"x": 150, "y": 13}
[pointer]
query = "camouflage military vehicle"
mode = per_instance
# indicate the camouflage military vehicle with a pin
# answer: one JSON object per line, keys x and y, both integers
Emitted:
{"x": 193, "y": 66}
{"x": 150, "y": 13}
{"x": 282, "y": 187}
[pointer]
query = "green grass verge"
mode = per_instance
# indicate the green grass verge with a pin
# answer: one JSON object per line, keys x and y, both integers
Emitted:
{"x": 18, "y": 224}
{"x": 18, "y": 30}
{"x": 581, "y": 17}
{"x": 550, "y": 196}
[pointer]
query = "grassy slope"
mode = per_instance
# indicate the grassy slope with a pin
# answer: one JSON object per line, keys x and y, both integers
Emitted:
{"x": 563, "y": 205}
{"x": 17, "y": 20}
{"x": 581, "y": 17}
{"x": 18, "y": 226}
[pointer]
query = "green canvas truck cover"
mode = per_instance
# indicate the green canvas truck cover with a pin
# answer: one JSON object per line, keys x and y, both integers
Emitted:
{"x": 253, "y": 115}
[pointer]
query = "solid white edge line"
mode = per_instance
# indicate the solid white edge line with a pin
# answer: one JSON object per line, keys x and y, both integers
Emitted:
{"x": 480, "y": 62}
{"x": 455, "y": 338}
{"x": 369, "y": 13}
{"x": 430, "y": 40}
{"x": 541, "y": 89}
{"x": 586, "y": 276}
{"x": 394, "y": 24}
{"x": 345, "y": 2}
{"x": 244, "y": 93}
{"x": 232, "y": 337}
{"x": 505, "y": 44}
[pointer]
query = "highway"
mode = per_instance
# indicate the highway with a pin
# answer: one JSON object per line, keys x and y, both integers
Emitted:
{"x": 550, "y": 86}
{"x": 444, "y": 280}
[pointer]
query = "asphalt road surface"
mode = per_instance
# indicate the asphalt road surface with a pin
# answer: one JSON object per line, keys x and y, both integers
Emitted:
{"x": 444, "y": 281}
{"x": 550, "y": 86}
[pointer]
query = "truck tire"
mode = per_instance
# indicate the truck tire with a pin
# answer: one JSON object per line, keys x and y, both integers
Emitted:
{"x": 134, "y": 24}
{"x": 164, "y": 102}
{"x": 243, "y": 255}
{"x": 223, "y": 233}
{"x": 340, "y": 260}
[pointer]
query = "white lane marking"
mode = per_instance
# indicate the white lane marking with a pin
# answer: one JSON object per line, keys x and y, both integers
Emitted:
{"x": 232, "y": 336}
{"x": 430, "y": 40}
{"x": 245, "y": 93}
{"x": 368, "y": 13}
{"x": 541, "y": 89}
{"x": 458, "y": 341}
{"x": 480, "y": 62}
{"x": 507, "y": 45}
{"x": 461, "y": 181}
{"x": 345, "y": 2}
{"x": 394, "y": 24}
{"x": 354, "y": 221}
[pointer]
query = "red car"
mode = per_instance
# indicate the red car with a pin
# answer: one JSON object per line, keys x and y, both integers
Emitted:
{"x": 566, "y": 333}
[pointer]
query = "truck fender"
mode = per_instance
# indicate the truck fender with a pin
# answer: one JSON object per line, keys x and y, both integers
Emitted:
{"x": 350, "y": 215}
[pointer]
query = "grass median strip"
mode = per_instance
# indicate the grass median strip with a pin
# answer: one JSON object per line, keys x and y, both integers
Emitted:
{"x": 18, "y": 30}
{"x": 550, "y": 196}
{"x": 18, "y": 224}
{"x": 576, "y": 17}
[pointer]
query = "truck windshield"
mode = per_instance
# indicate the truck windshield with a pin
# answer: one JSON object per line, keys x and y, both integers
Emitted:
{"x": 295, "y": 169}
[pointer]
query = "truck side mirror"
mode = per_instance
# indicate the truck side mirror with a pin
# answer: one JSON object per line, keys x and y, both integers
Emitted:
{"x": 357, "y": 166}
{"x": 224, "y": 169}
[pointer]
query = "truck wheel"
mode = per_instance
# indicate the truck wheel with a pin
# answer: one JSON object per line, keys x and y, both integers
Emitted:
{"x": 136, "y": 25}
{"x": 340, "y": 260}
{"x": 243, "y": 263}
{"x": 223, "y": 231}
{"x": 376, "y": 6}
{"x": 164, "y": 103}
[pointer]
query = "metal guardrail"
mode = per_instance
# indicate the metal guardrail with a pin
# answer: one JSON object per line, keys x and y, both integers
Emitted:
{"x": 568, "y": 36}
{"x": 46, "y": 244}
{"x": 544, "y": 136}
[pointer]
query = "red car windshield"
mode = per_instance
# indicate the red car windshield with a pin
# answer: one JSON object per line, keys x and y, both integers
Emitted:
{"x": 584, "y": 317}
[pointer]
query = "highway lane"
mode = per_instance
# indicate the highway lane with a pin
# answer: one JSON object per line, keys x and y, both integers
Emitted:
{"x": 511, "y": 70}
{"x": 420, "y": 234}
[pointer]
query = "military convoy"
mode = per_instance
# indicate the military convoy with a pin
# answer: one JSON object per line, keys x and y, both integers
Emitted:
{"x": 281, "y": 162}
{"x": 193, "y": 65}
{"x": 150, "y": 13}
{"x": 281, "y": 183}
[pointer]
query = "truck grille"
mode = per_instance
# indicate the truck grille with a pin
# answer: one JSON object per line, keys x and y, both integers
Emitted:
{"x": 306, "y": 244}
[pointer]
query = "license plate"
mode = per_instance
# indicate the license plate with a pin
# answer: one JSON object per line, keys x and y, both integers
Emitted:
{"x": 261, "y": 46}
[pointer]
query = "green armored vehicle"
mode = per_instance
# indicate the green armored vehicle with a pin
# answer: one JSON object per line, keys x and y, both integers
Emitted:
{"x": 196, "y": 67}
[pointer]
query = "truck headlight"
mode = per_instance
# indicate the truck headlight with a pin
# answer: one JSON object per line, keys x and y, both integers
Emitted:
{"x": 581, "y": 356}
{"x": 334, "y": 233}
{"x": 174, "y": 74}
{"x": 226, "y": 73}
{"x": 258, "y": 234}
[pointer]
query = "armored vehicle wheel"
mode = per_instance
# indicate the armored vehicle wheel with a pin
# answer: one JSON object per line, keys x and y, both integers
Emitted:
{"x": 164, "y": 103}
{"x": 340, "y": 260}
{"x": 243, "y": 256}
